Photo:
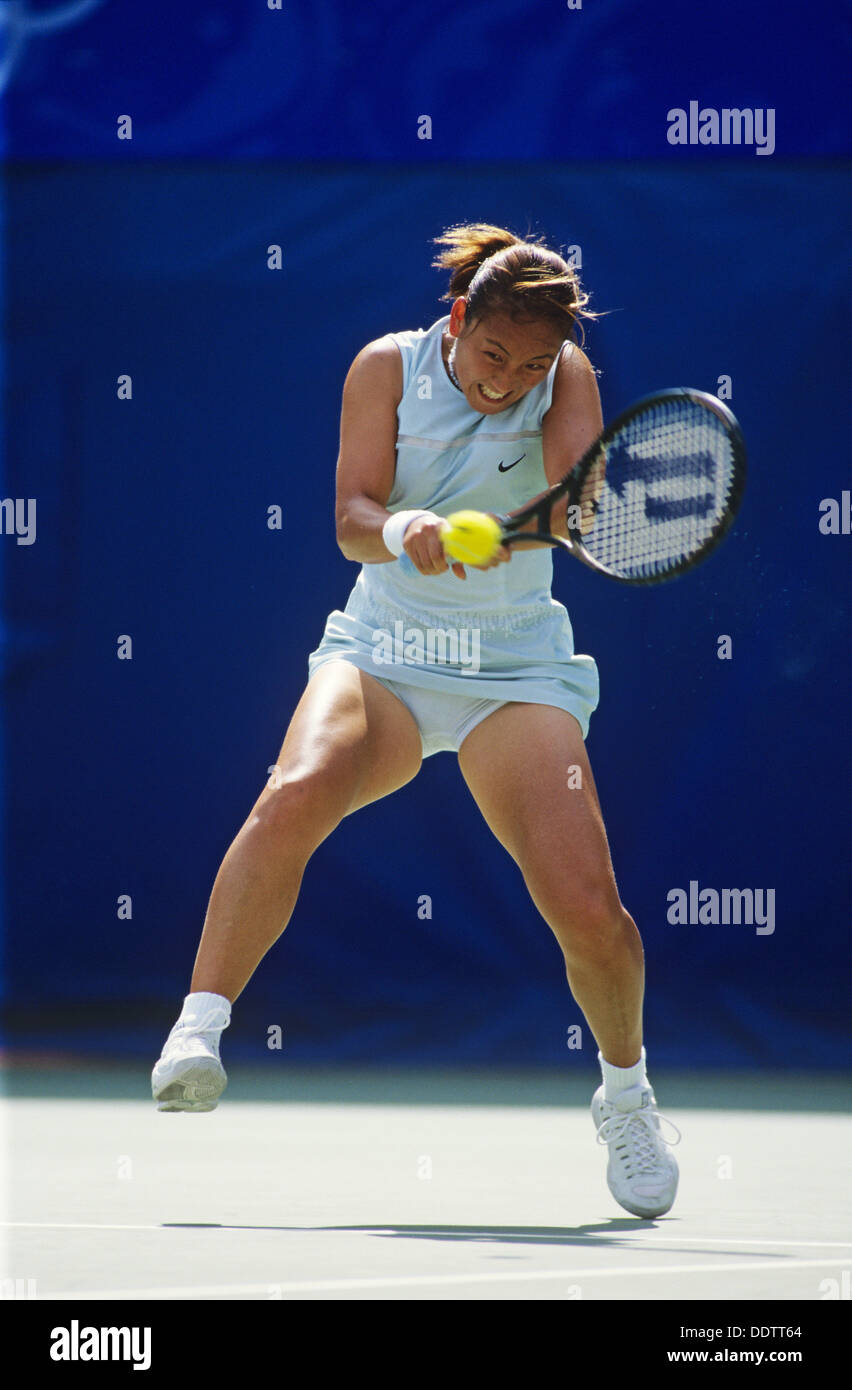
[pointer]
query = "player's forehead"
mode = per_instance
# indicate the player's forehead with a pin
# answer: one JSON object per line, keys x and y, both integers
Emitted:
{"x": 519, "y": 338}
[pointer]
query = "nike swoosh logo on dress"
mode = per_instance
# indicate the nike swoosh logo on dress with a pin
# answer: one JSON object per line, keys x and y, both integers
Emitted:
{"x": 504, "y": 467}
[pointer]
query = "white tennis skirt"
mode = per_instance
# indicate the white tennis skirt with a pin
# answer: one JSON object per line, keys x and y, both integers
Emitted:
{"x": 484, "y": 660}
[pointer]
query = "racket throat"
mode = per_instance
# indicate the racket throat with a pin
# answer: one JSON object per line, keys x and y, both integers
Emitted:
{"x": 541, "y": 536}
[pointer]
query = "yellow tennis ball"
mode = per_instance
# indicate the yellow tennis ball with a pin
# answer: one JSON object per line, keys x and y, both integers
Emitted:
{"x": 471, "y": 537}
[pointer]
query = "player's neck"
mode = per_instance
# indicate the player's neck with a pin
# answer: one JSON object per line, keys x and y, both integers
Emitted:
{"x": 447, "y": 344}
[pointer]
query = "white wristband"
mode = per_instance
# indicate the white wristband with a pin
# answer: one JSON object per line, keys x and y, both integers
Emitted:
{"x": 394, "y": 529}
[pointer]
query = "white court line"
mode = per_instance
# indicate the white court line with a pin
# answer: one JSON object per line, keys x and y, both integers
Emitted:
{"x": 82, "y": 1226}
{"x": 639, "y": 1237}
{"x": 430, "y": 1280}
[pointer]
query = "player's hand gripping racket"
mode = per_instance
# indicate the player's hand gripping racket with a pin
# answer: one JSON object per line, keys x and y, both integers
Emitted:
{"x": 650, "y": 499}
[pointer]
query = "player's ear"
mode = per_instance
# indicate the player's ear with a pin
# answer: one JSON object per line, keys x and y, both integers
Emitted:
{"x": 457, "y": 313}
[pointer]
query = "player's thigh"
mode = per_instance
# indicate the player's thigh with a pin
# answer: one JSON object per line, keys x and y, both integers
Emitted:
{"x": 528, "y": 771}
{"x": 350, "y": 742}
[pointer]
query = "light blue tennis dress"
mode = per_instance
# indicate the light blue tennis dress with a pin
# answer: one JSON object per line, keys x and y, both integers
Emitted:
{"x": 455, "y": 650}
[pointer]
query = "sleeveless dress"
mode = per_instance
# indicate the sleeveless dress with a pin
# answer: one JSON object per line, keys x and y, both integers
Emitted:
{"x": 497, "y": 636}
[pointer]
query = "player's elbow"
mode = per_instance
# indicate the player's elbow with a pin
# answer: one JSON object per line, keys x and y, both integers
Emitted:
{"x": 346, "y": 531}
{"x": 358, "y": 526}
{"x": 343, "y": 535}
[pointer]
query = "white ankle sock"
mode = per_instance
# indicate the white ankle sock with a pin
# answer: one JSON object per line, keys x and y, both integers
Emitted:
{"x": 618, "y": 1079}
{"x": 203, "y": 1011}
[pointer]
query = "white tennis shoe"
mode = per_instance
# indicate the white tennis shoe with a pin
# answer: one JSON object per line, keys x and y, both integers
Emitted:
{"x": 641, "y": 1173}
{"x": 189, "y": 1074}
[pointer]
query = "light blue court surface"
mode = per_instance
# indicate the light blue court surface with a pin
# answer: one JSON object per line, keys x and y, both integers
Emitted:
{"x": 316, "y": 1184}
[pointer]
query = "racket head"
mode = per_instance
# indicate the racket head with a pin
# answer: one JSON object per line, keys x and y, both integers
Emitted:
{"x": 656, "y": 492}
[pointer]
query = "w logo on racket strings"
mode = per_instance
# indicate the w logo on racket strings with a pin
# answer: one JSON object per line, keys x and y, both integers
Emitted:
{"x": 675, "y": 496}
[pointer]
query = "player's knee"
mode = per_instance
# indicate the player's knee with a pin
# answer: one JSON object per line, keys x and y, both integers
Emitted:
{"x": 592, "y": 926}
{"x": 301, "y": 806}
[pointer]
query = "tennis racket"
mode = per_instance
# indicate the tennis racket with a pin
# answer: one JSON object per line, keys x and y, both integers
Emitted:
{"x": 653, "y": 496}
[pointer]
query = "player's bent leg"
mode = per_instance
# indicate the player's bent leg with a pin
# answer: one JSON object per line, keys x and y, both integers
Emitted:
{"x": 350, "y": 742}
{"x": 527, "y": 769}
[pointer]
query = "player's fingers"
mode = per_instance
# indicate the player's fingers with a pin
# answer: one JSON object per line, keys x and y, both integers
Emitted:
{"x": 424, "y": 547}
{"x": 458, "y": 570}
{"x": 426, "y": 552}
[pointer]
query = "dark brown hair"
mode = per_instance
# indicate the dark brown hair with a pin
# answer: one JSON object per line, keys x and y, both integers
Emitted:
{"x": 497, "y": 272}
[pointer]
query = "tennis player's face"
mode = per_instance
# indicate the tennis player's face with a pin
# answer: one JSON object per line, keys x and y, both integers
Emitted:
{"x": 497, "y": 361}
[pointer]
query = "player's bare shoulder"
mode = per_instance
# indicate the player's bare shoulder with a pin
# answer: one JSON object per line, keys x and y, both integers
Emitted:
{"x": 574, "y": 380}
{"x": 372, "y": 392}
{"x": 376, "y": 373}
{"x": 574, "y": 419}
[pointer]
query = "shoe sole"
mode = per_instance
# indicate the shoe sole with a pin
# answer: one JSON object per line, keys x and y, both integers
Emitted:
{"x": 637, "y": 1211}
{"x": 197, "y": 1089}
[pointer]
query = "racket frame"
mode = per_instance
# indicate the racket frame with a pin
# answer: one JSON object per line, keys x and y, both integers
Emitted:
{"x": 573, "y": 481}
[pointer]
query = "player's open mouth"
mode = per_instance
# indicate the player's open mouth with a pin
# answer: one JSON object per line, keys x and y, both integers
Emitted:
{"x": 492, "y": 396}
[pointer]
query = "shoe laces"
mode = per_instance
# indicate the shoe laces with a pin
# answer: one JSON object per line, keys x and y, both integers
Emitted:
{"x": 639, "y": 1130}
{"x": 182, "y": 1034}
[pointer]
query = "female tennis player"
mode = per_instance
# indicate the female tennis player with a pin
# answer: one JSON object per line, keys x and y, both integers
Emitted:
{"x": 483, "y": 410}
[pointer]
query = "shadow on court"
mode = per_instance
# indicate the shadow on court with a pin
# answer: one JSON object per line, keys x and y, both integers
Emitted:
{"x": 618, "y": 1233}
{"x": 604, "y": 1232}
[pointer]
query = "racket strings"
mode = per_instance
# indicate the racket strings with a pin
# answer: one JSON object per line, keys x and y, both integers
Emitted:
{"x": 659, "y": 493}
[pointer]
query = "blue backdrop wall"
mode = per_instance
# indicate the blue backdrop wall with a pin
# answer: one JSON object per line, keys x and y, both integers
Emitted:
{"x": 131, "y": 777}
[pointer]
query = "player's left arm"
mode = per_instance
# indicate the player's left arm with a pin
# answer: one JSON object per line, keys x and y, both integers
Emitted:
{"x": 573, "y": 423}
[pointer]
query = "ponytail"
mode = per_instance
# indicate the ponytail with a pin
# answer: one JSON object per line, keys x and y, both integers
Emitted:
{"x": 468, "y": 247}
{"x": 497, "y": 272}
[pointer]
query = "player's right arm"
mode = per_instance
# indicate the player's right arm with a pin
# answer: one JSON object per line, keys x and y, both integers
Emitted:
{"x": 366, "y": 465}
{"x": 366, "y": 462}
